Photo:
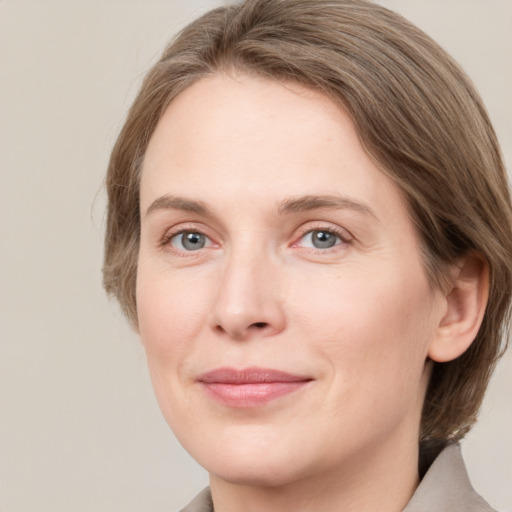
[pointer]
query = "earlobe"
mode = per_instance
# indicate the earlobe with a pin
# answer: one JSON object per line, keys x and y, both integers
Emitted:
{"x": 466, "y": 301}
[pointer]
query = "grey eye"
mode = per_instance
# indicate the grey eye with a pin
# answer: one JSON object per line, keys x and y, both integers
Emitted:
{"x": 320, "y": 239}
{"x": 323, "y": 239}
{"x": 189, "y": 241}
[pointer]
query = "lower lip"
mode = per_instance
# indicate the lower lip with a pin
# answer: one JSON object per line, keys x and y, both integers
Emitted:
{"x": 251, "y": 394}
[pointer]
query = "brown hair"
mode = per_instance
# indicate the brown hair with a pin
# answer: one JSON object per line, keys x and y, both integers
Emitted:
{"x": 417, "y": 115}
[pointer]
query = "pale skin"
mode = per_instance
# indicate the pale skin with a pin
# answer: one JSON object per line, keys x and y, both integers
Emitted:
{"x": 270, "y": 239}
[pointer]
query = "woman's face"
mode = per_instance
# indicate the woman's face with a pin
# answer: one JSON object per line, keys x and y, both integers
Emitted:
{"x": 282, "y": 300}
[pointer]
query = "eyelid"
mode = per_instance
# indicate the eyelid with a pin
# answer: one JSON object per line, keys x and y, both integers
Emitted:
{"x": 345, "y": 236}
{"x": 181, "y": 228}
{"x": 196, "y": 227}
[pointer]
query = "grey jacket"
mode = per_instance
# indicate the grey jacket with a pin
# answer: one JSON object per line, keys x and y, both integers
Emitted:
{"x": 444, "y": 488}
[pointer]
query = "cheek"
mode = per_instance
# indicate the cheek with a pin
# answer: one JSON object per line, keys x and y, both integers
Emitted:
{"x": 171, "y": 310}
{"x": 373, "y": 327}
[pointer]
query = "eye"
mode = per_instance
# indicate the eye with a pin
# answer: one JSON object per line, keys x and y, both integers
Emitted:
{"x": 321, "y": 239}
{"x": 189, "y": 241}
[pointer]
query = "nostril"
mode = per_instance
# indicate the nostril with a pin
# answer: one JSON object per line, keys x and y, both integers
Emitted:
{"x": 259, "y": 325}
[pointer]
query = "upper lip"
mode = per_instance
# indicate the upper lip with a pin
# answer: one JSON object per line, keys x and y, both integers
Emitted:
{"x": 252, "y": 375}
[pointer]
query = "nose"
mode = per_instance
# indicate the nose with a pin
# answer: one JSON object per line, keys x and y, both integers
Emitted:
{"x": 248, "y": 304}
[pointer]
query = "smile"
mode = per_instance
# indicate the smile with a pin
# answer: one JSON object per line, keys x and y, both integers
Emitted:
{"x": 251, "y": 387}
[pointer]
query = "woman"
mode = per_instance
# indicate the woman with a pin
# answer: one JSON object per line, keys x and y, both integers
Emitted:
{"x": 310, "y": 227}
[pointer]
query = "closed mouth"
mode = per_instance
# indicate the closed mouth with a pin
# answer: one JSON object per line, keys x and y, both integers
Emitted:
{"x": 250, "y": 387}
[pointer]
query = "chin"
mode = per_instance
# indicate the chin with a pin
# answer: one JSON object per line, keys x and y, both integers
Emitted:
{"x": 250, "y": 458}
{"x": 257, "y": 473}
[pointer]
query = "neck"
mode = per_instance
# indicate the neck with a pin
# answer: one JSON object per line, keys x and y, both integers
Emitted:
{"x": 382, "y": 479}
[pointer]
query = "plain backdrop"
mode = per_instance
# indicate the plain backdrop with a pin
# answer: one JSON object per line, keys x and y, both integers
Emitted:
{"x": 79, "y": 427}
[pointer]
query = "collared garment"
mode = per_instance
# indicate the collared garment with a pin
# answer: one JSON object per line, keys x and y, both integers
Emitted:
{"x": 444, "y": 488}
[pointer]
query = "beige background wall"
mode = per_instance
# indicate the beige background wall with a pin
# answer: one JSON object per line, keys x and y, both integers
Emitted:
{"x": 79, "y": 427}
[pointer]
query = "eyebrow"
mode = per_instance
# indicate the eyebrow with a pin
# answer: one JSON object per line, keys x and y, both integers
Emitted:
{"x": 313, "y": 202}
{"x": 288, "y": 206}
{"x": 168, "y": 202}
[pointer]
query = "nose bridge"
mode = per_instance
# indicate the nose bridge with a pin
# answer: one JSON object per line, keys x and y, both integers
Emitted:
{"x": 247, "y": 302}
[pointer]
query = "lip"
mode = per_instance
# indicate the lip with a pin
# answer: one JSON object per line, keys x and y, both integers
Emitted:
{"x": 250, "y": 387}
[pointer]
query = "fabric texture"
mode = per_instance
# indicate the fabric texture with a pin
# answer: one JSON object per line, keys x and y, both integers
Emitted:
{"x": 444, "y": 488}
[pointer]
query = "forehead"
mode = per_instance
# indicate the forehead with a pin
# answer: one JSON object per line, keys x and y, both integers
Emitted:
{"x": 229, "y": 138}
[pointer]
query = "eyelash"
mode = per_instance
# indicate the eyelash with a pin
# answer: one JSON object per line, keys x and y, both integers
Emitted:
{"x": 344, "y": 237}
{"x": 170, "y": 235}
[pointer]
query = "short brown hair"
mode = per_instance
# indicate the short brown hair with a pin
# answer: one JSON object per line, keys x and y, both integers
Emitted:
{"x": 417, "y": 115}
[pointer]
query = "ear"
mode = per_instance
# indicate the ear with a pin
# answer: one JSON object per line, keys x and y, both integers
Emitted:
{"x": 466, "y": 301}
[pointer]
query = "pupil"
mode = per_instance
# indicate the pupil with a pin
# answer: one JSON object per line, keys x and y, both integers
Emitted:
{"x": 193, "y": 241}
{"x": 323, "y": 239}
